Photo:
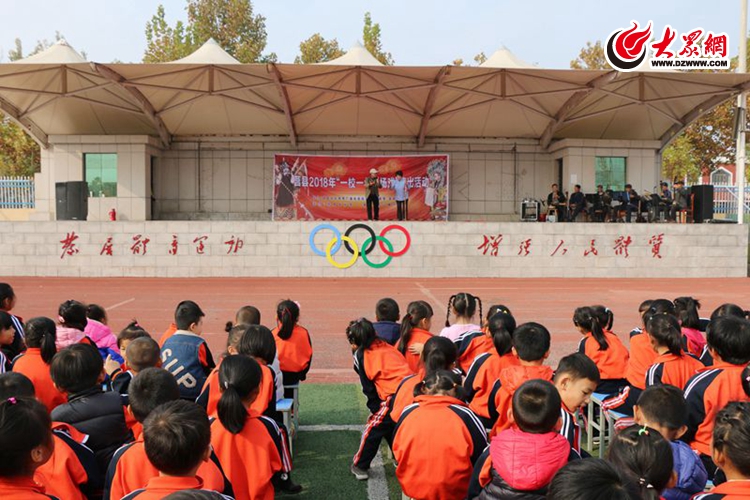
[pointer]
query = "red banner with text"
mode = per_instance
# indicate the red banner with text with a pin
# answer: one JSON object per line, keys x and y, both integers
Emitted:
{"x": 338, "y": 187}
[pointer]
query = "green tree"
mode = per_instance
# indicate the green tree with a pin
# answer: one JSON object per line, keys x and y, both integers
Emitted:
{"x": 480, "y": 58}
{"x": 371, "y": 38}
{"x": 678, "y": 160}
{"x": 317, "y": 49}
{"x": 458, "y": 62}
{"x": 165, "y": 43}
{"x": 590, "y": 57}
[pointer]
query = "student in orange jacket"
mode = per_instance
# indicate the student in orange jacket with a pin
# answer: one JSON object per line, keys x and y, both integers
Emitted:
{"x": 604, "y": 348}
{"x": 177, "y": 439}
{"x": 381, "y": 368}
{"x": 472, "y": 344}
{"x": 248, "y": 445}
{"x": 415, "y": 331}
{"x": 486, "y": 368}
{"x": 293, "y": 344}
{"x": 71, "y": 472}
{"x": 26, "y": 443}
{"x": 439, "y": 353}
{"x": 731, "y": 453}
{"x": 673, "y": 366}
{"x": 713, "y": 387}
{"x": 439, "y": 434}
{"x": 130, "y": 469}
{"x": 531, "y": 342}
{"x": 34, "y": 362}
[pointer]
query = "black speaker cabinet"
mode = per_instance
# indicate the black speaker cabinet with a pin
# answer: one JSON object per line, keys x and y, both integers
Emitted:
{"x": 703, "y": 203}
{"x": 72, "y": 200}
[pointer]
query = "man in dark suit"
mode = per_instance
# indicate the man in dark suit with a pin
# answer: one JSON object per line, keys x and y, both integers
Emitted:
{"x": 629, "y": 201}
{"x": 557, "y": 200}
{"x": 577, "y": 203}
{"x": 680, "y": 201}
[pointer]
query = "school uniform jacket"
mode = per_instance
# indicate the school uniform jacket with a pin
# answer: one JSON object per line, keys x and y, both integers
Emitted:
{"x": 418, "y": 336}
{"x": 381, "y": 368}
{"x": 736, "y": 490}
{"x": 167, "y": 333}
{"x": 612, "y": 362}
{"x": 23, "y": 488}
{"x": 71, "y": 472}
{"x": 18, "y": 345}
{"x": 159, "y": 487}
{"x": 481, "y": 377}
{"x": 642, "y": 356}
{"x": 502, "y": 392}
{"x": 706, "y": 393}
{"x": 672, "y": 370}
{"x": 250, "y": 458}
{"x": 120, "y": 381}
{"x": 295, "y": 353}
{"x": 31, "y": 364}
{"x": 404, "y": 395}
{"x": 470, "y": 345}
{"x": 570, "y": 429}
{"x": 186, "y": 356}
{"x": 265, "y": 403}
{"x": 438, "y": 469}
{"x": 130, "y": 470}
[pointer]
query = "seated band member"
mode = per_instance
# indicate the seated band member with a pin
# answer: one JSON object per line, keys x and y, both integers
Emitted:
{"x": 629, "y": 201}
{"x": 557, "y": 201}
{"x": 665, "y": 200}
{"x": 680, "y": 201}
{"x": 602, "y": 204}
{"x": 577, "y": 203}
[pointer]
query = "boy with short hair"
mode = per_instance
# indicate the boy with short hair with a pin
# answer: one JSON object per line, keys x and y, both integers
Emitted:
{"x": 129, "y": 470}
{"x": 177, "y": 439}
{"x": 524, "y": 458}
{"x": 186, "y": 354}
{"x": 531, "y": 342}
{"x": 576, "y": 379}
{"x": 663, "y": 408}
{"x": 386, "y": 325}
{"x": 713, "y": 387}
{"x": 78, "y": 371}
{"x": 142, "y": 353}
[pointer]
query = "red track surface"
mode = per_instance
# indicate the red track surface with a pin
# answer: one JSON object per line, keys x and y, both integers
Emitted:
{"x": 328, "y": 304}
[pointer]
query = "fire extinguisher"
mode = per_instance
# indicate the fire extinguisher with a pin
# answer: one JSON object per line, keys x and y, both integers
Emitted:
{"x": 113, "y": 214}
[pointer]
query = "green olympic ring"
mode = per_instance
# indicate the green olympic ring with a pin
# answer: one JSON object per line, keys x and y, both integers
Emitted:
{"x": 332, "y": 246}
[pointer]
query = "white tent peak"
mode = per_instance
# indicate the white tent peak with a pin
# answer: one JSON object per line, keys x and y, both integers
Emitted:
{"x": 208, "y": 53}
{"x": 504, "y": 58}
{"x": 59, "y": 53}
{"x": 357, "y": 55}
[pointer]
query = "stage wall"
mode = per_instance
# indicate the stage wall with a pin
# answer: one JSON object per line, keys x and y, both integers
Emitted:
{"x": 437, "y": 249}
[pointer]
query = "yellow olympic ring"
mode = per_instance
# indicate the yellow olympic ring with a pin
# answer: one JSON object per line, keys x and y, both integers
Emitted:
{"x": 351, "y": 261}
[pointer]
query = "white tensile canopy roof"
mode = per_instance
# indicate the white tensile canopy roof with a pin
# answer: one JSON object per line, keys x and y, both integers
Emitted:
{"x": 209, "y": 94}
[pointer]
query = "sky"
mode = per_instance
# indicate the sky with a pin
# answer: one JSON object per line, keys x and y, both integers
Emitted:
{"x": 548, "y": 33}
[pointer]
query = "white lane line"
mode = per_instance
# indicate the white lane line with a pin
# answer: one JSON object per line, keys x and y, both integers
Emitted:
{"x": 435, "y": 302}
{"x": 120, "y": 304}
{"x": 377, "y": 485}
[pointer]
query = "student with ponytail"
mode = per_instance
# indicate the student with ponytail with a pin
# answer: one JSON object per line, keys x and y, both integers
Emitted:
{"x": 35, "y": 361}
{"x": 292, "y": 343}
{"x": 437, "y": 468}
{"x": 604, "y": 348}
{"x": 439, "y": 353}
{"x": 646, "y": 457}
{"x": 72, "y": 323}
{"x": 473, "y": 344}
{"x": 247, "y": 444}
{"x": 673, "y": 366}
{"x": 464, "y": 307}
{"x": 693, "y": 341}
{"x": 415, "y": 331}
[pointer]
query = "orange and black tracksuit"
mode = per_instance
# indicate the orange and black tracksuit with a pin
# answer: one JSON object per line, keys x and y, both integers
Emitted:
{"x": 418, "y": 336}
{"x": 612, "y": 362}
{"x": 480, "y": 379}
{"x": 642, "y": 356}
{"x": 265, "y": 403}
{"x": 404, "y": 395}
{"x": 130, "y": 470}
{"x": 381, "y": 368}
{"x": 706, "y": 393}
{"x": 31, "y": 364}
{"x": 295, "y": 354}
{"x": 161, "y": 486}
{"x": 250, "y": 458}
{"x": 23, "y": 488}
{"x": 167, "y": 333}
{"x": 71, "y": 472}
{"x": 669, "y": 369}
{"x": 570, "y": 429}
{"x": 469, "y": 345}
{"x": 732, "y": 490}
{"x": 502, "y": 392}
{"x": 438, "y": 469}
{"x": 120, "y": 381}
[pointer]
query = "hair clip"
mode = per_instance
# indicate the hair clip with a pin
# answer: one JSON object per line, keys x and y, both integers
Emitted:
{"x": 12, "y": 401}
{"x": 60, "y": 320}
{"x": 226, "y": 385}
{"x": 298, "y": 306}
{"x": 643, "y": 482}
{"x": 643, "y": 431}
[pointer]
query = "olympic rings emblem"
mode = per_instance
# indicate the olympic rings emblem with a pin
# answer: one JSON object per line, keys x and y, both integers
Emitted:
{"x": 351, "y": 246}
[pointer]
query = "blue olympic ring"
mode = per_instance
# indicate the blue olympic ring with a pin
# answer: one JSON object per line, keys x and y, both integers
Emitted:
{"x": 336, "y": 246}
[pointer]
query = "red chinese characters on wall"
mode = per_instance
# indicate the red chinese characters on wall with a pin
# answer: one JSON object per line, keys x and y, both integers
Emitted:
{"x": 234, "y": 244}
{"x": 621, "y": 246}
{"x": 69, "y": 247}
{"x": 491, "y": 244}
{"x": 107, "y": 247}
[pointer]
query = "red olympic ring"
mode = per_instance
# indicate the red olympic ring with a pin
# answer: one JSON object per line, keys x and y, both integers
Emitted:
{"x": 406, "y": 246}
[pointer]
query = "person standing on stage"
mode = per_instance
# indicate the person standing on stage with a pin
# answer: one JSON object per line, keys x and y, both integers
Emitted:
{"x": 680, "y": 199}
{"x": 371, "y": 192}
{"x": 402, "y": 196}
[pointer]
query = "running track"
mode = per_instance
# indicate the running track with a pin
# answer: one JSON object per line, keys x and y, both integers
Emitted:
{"x": 328, "y": 304}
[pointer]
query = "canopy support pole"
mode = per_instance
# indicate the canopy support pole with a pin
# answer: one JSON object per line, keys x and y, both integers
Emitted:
{"x": 287, "y": 104}
{"x": 430, "y": 104}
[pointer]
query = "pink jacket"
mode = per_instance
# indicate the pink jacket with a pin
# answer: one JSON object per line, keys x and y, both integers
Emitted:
{"x": 528, "y": 461}
{"x": 68, "y": 336}
{"x": 101, "y": 334}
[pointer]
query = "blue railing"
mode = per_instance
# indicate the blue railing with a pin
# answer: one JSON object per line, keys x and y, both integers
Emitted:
{"x": 16, "y": 192}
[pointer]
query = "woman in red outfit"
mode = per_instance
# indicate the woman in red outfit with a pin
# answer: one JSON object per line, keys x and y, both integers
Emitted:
{"x": 415, "y": 331}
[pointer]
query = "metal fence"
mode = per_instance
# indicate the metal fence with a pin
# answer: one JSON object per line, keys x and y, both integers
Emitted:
{"x": 725, "y": 201}
{"x": 16, "y": 192}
